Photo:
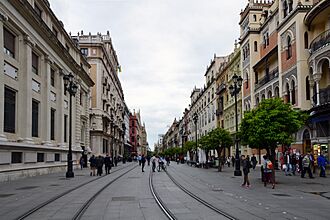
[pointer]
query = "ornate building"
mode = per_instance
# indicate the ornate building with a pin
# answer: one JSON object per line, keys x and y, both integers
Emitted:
{"x": 107, "y": 97}
{"x": 36, "y": 52}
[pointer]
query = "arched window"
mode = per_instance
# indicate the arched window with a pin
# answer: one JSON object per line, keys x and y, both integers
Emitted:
{"x": 269, "y": 94}
{"x": 277, "y": 92}
{"x": 247, "y": 80}
{"x": 290, "y": 5}
{"x": 255, "y": 46}
{"x": 289, "y": 49}
{"x": 293, "y": 93}
{"x": 306, "y": 40}
{"x": 254, "y": 17}
{"x": 308, "y": 89}
{"x": 257, "y": 101}
{"x": 263, "y": 97}
{"x": 287, "y": 93}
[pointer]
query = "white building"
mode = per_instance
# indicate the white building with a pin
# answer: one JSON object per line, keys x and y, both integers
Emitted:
{"x": 35, "y": 54}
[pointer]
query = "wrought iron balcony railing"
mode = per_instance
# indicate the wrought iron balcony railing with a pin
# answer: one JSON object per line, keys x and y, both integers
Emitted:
{"x": 320, "y": 41}
{"x": 271, "y": 75}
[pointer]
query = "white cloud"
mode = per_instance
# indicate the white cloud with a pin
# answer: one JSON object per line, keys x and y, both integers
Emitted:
{"x": 163, "y": 46}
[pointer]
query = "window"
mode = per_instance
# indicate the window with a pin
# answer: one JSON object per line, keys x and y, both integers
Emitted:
{"x": 67, "y": 47}
{"x": 277, "y": 92}
{"x": 270, "y": 94}
{"x": 55, "y": 32}
{"x": 306, "y": 40}
{"x": 308, "y": 90}
{"x": 52, "y": 124}
{"x": 289, "y": 49}
{"x": 287, "y": 93}
{"x": 267, "y": 38}
{"x": 9, "y": 110}
{"x": 65, "y": 128}
{"x": 255, "y": 46}
{"x": 84, "y": 51}
{"x": 290, "y": 5}
{"x": 52, "y": 77}
{"x": 57, "y": 157}
{"x": 35, "y": 60}
{"x": 40, "y": 157}
{"x": 81, "y": 98}
{"x": 285, "y": 9}
{"x": 293, "y": 93}
{"x": 82, "y": 132}
{"x": 257, "y": 101}
{"x": 38, "y": 10}
{"x": 16, "y": 157}
{"x": 35, "y": 118}
{"x": 256, "y": 77}
{"x": 105, "y": 146}
{"x": 254, "y": 17}
{"x": 247, "y": 80}
{"x": 9, "y": 43}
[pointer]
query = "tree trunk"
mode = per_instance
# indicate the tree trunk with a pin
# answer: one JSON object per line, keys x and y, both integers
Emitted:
{"x": 272, "y": 158}
{"x": 207, "y": 158}
{"x": 219, "y": 156}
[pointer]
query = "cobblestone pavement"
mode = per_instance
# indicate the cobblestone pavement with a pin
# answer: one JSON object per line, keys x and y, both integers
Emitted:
{"x": 130, "y": 196}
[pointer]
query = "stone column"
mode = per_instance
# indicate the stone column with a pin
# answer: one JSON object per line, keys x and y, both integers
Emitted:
{"x": 317, "y": 78}
{"x": 311, "y": 86}
{"x": 59, "y": 85}
{"x": 45, "y": 132}
{"x": 24, "y": 101}
{"x": 3, "y": 19}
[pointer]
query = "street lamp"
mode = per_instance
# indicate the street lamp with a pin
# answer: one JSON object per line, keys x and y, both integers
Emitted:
{"x": 71, "y": 87}
{"x": 195, "y": 118}
{"x": 234, "y": 90}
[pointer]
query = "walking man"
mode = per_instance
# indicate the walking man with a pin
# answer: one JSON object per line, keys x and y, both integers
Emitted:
{"x": 107, "y": 163}
{"x": 153, "y": 162}
{"x": 322, "y": 162}
{"x": 99, "y": 164}
{"x": 143, "y": 161}
{"x": 254, "y": 161}
{"x": 287, "y": 161}
{"x": 92, "y": 163}
{"x": 306, "y": 163}
{"x": 148, "y": 159}
{"x": 246, "y": 170}
{"x": 268, "y": 172}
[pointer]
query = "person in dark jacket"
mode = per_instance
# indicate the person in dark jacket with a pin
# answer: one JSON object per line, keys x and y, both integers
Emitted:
{"x": 143, "y": 162}
{"x": 99, "y": 165}
{"x": 254, "y": 161}
{"x": 92, "y": 162}
{"x": 246, "y": 170}
{"x": 322, "y": 163}
{"x": 107, "y": 164}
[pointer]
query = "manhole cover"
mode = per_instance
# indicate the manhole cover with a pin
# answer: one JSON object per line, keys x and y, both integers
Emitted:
{"x": 123, "y": 198}
{"x": 27, "y": 187}
{"x": 5, "y": 195}
{"x": 280, "y": 194}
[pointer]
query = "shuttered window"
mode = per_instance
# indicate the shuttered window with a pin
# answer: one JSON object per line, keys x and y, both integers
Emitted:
{"x": 9, "y": 110}
{"x": 9, "y": 43}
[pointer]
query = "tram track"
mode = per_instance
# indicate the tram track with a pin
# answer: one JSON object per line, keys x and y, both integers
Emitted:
{"x": 170, "y": 214}
{"x": 81, "y": 211}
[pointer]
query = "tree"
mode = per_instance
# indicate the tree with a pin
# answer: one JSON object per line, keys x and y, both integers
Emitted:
{"x": 272, "y": 123}
{"x": 206, "y": 144}
{"x": 219, "y": 139}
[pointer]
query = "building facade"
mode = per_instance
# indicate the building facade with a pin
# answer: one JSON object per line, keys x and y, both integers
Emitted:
{"x": 36, "y": 52}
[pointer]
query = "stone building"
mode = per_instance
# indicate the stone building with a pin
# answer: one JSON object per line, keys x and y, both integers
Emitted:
{"x": 36, "y": 52}
{"x": 107, "y": 97}
{"x": 138, "y": 134}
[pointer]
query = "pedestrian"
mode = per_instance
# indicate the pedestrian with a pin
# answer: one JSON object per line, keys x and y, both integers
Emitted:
{"x": 153, "y": 162}
{"x": 107, "y": 164}
{"x": 306, "y": 163}
{"x": 246, "y": 170}
{"x": 233, "y": 160}
{"x": 312, "y": 165}
{"x": 287, "y": 162}
{"x": 143, "y": 161}
{"x": 322, "y": 163}
{"x": 228, "y": 161}
{"x": 254, "y": 161}
{"x": 82, "y": 162}
{"x": 99, "y": 165}
{"x": 268, "y": 171}
{"x": 148, "y": 159}
{"x": 139, "y": 159}
{"x": 116, "y": 161}
{"x": 92, "y": 163}
{"x": 294, "y": 164}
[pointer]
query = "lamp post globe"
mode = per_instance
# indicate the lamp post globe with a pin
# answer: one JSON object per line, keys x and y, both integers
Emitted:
{"x": 71, "y": 87}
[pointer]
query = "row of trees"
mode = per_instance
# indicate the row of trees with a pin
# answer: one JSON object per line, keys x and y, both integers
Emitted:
{"x": 271, "y": 124}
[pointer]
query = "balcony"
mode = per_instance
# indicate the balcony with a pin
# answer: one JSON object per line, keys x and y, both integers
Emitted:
{"x": 272, "y": 75}
{"x": 221, "y": 88}
{"x": 324, "y": 97}
{"x": 320, "y": 41}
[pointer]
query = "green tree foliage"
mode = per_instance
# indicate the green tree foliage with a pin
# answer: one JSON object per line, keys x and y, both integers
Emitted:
{"x": 273, "y": 122}
{"x": 190, "y": 146}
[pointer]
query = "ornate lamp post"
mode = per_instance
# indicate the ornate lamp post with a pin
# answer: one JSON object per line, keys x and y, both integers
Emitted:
{"x": 195, "y": 118}
{"x": 71, "y": 87}
{"x": 234, "y": 90}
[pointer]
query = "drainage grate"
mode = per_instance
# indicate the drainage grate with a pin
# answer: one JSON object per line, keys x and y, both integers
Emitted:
{"x": 5, "y": 195}
{"x": 27, "y": 187}
{"x": 280, "y": 194}
{"x": 123, "y": 198}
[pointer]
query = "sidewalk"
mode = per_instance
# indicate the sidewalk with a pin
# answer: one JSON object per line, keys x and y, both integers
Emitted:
{"x": 18, "y": 196}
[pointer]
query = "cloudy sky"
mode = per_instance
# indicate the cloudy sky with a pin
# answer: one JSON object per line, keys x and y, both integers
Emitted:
{"x": 163, "y": 46}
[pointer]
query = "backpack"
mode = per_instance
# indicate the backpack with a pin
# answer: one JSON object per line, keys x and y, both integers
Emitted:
{"x": 269, "y": 165}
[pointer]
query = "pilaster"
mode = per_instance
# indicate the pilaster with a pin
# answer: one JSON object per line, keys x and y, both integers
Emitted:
{"x": 59, "y": 84}
{"x": 317, "y": 78}
{"x": 46, "y": 101}
{"x": 3, "y": 19}
{"x": 24, "y": 109}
